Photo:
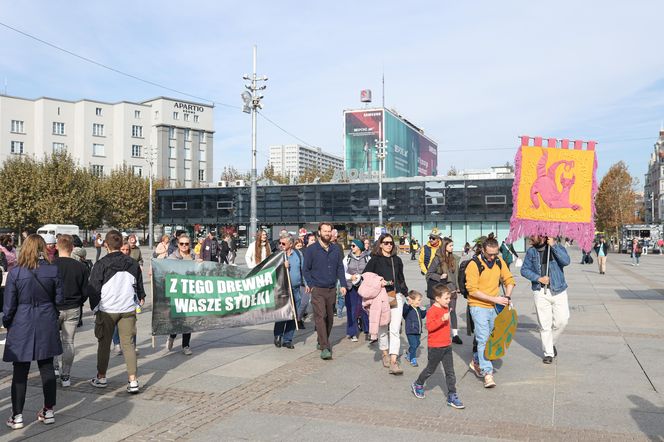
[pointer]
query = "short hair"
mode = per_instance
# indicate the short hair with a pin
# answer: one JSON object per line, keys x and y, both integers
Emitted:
{"x": 440, "y": 290}
{"x": 113, "y": 240}
{"x": 287, "y": 236}
{"x": 414, "y": 295}
{"x": 65, "y": 242}
{"x": 132, "y": 235}
{"x": 325, "y": 223}
{"x": 163, "y": 237}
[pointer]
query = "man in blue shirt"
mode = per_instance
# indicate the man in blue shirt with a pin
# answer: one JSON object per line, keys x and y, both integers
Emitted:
{"x": 323, "y": 267}
{"x": 294, "y": 262}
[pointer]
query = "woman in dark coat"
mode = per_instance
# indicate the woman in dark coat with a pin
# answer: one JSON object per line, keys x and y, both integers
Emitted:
{"x": 33, "y": 288}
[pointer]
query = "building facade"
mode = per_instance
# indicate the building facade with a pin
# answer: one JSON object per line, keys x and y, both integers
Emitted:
{"x": 464, "y": 209}
{"x": 653, "y": 189}
{"x": 292, "y": 160}
{"x": 101, "y": 136}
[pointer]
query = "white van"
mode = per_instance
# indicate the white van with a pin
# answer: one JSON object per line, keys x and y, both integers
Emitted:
{"x": 56, "y": 229}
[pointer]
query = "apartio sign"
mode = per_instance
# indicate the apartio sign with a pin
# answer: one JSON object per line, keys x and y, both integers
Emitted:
{"x": 188, "y": 107}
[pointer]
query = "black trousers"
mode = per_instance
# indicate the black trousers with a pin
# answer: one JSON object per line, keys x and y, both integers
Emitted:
{"x": 186, "y": 338}
{"x": 436, "y": 356}
{"x": 20, "y": 384}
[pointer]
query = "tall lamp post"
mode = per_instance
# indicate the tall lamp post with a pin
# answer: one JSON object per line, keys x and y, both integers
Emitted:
{"x": 381, "y": 153}
{"x": 252, "y": 102}
{"x": 151, "y": 159}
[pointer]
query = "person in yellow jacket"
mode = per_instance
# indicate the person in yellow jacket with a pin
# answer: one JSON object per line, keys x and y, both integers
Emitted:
{"x": 428, "y": 251}
{"x": 483, "y": 276}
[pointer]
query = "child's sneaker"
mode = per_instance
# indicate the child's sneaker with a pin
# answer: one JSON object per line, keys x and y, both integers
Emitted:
{"x": 132, "y": 387}
{"x": 454, "y": 401}
{"x": 15, "y": 422}
{"x": 65, "y": 381}
{"x": 475, "y": 368}
{"x": 46, "y": 415}
{"x": 99, "y": 382}
{"x": 413, "y": 362}
{"x": 418, "y": 390}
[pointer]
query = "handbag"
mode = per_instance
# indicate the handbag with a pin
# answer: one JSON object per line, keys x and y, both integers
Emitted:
{"x": 4, "y": 276}
{"x": 392, "y": 294}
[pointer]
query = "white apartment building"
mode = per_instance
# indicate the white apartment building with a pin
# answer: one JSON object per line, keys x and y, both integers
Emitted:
{"x": 103, "y": 136}
{"x": 291, "y": 160}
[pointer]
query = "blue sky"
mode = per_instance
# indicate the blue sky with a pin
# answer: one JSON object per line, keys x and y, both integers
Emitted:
{"x": 474, "y": 75}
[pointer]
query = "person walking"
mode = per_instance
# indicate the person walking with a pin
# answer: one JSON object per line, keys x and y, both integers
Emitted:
{"x": 602, "y": 250}
{"x": 210, "y": 248}
{"x": 9, "y": 250}
{"x": 116, "y": 286}
{"x": 258, "y": 250}
{"x": 508, "y": 253}
{"x": 294, "y": 262}
{"x": 323, "y": 268}
{"x": 484, "y": 275}
{"x": 386, "y": 264}
{"x": 413, "y": 314}
{"x": 443, "y": 270}
{"x": 232, "y": 249}
{"x": 74, "y": 275}
{"x": 161, "y": 250}
{"x": 99, "y": 242}
{"x": 354, "y": 265}
{"x": 184, "y": 253}
{"x": 30, "y": 316}
{"x": 549, "y": 290}
{"x": 636, "y": 252}
{"x": 428, "y": 251}
{"x": 134, "y": 250}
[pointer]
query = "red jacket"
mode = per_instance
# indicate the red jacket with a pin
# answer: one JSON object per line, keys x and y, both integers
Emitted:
{"x": 439, "y": 330}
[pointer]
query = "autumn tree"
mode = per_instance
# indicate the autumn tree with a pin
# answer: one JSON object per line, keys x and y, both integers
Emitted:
{"x": 453, "y": 171}
{"x": 18, "y": 205}
{"x": 125, "y": 197}
{"x": 616, "y": 199}
{"x": 269, "y": 174}
{"x": 314, "y": 174}
{"x": 231, "y": 174}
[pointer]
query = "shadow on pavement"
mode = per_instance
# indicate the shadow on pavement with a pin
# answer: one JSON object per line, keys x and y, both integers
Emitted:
{"x": 646, "y": 294}
{"x": 649, "y": 417}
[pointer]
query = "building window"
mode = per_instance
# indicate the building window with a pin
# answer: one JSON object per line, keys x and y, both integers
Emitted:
{"x": 179, "y": 205}
{"x": 187, "y": 134}
{"x": 97, "y": 169}
{"x": 176, "y": 116}
{"x": 495, "y": 199}
{"x": 137, "y": 114}
{"x": 97, "y": 130}
{"x": 171, "y": 152}
{"x": 137, "y": 171}
{"x": 201, "y": 175}
{"x": 187, "y": 174}
{"x": 171, "y": 173}
{"x": 156, "y": 114}
{"x": 98, "y": 150}
{"x": 224, "y": 205}
{"x": 58, "y": 128}
{"x": 187, "y": 153}
{"x": 195, "y": 118}
{"x": 17, "y": 127}
{"x": 171, "y": 133}
{"x": 58, "y": 147}
{"x": 201, "y": 155}
{"x": 17, "y": 147}
{"x": 203, "y": 136}
{"x": 136, "y": 150}
{"x": 137, "y": 131}
{"x": 98, "y": 112}
{"x": 186, "y": 117}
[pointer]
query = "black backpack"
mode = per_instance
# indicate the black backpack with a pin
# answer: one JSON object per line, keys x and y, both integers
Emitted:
{"x": 461, "y": 282}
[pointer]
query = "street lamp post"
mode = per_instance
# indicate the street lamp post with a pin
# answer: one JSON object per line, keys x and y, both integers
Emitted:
{"x": 252, "y": 102}
{"x": 151, "y": 159}
{"x": 652, "y": 207}
{"x": 381, "y": 153}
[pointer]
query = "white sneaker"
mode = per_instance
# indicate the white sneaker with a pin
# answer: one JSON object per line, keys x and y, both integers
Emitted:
{"x": 353, "y": 338}
{"x": 117, "y": 349}
{"x": 99, "y": 382}
{"x": 65, "y": 381}
{"x": 15, "y": 422}
{"x": 132, "y": 387}
{"x": 46, "y": 415}
{"x": 186, "y": 351}
{"x": 169, "y": 343}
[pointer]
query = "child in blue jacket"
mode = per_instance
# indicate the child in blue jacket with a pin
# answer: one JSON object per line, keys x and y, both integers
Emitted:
{"x": 413, "y": 314}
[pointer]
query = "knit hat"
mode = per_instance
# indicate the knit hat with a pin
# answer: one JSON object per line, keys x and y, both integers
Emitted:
{"x": 50, "y": 238}
{"x": 79, "y": 253}
{"x": 359, "y": 244}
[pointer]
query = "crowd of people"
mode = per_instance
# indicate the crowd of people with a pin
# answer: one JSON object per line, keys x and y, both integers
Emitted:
{"x": 49, "y": 281}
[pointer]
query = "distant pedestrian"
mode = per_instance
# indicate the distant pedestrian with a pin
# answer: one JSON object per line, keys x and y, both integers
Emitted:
{"x": 116, "y": 285}
{"x": 232, "y": 248}
{"x": 508, "y": 253}
{"x": 414, "y": 248}
{"x": 258, "y": 250}
{"x": 99, "y": 243}
{"x": 74, "y": 275}
{"x": 549, "y": 290}
{"x": 429, "y": 250}
{"x": 134, "y": 250}
{"x": 636, "y": 251}
{"x": 354, "y": 265}
{"x": 323, "y": 269}
{"x": 602, "y": 250}
{"x": 51, "y": 250}
{"x": 7, "y": 247}
{"x": 284, "y": 331}
{"x": 31, "y": 318}
{"x": 185, "y": 253}
{"x": 440, "y": 347}
{"x": 210, "y": 248}
{"x": 413, "y": 313}
{"x": 161, "y": 250}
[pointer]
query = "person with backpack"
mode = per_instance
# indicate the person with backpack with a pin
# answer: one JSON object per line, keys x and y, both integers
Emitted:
{"x": 294, "y": 262}
{"x": 483, "y": 277}
{"x": 428, "y": 251}
{"x": 443, "y": 270}
{"x": 354, "y": 265}
{"x": 636, "y": 251}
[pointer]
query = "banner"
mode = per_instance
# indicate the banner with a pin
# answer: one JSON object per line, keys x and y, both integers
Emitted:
{"x": 502, "y": 335}
{"x": 190, "y": 296}
{"x": 554, "y": 190}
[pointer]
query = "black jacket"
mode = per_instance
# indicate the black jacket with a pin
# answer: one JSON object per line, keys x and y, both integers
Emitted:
{"x": 381, "y": 265}
{"x": 74, "y": 276}
{"x": 102, "y": 282}
{"x": 605, "y": 246}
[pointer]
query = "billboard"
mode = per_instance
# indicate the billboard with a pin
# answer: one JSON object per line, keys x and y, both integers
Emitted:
{"x": 409, "y": 152}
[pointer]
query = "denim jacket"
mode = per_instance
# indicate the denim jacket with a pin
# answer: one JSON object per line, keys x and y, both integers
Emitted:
{"x": 532, "y": 268}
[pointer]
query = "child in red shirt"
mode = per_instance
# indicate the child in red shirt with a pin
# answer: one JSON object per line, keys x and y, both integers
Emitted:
{"x": 439, "y": 343}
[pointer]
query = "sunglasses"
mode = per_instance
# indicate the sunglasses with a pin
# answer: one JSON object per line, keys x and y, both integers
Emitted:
{"x": 283, "y": 243}
{"x": 184, "y": 243}
{"x": 387, "y": 243}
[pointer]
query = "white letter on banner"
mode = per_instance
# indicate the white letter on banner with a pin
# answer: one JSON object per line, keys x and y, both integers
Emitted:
{"x": 221, "y": 286}
{"x": 174, "y": 286}
{"x": 180, "y": 305}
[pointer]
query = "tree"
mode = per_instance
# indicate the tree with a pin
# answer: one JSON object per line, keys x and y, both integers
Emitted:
{"x": 125, "y": 197}
{"x": 616, "y": 200}
{"x": 314, "y": 174}
{"x": 231, "y": 174}
{"x": 453, "y": 171}
{"x": 269, "y": 174}
{"x": 20, "y": 194}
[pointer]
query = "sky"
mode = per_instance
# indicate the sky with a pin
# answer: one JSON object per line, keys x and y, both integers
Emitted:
{"x": 474, "y": 75}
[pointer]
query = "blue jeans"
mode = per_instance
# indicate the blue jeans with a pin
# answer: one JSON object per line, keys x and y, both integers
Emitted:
{"x": 353, "y": 311}
{"x": 286, "y": 329}
{"x": 413, "y": 345}
{"x": 483, "y": 318}
{"x": 340, "y": 304}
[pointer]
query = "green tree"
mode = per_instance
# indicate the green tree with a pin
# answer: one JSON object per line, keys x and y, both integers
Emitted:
{"x": 314, "y": 174}
{"x": 125, "y": 198}
{"x": 20, "y": 193}
{"x": 615, "y": 202}
{"x": 269, "y": 174}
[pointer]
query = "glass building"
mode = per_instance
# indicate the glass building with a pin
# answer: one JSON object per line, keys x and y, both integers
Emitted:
{"x": 459, "y": 207}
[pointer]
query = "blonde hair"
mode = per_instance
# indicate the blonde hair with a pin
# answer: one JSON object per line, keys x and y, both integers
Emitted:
{"x": 33, "y": 249}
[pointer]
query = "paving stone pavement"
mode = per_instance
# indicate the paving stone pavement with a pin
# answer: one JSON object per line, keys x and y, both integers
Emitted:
{"x": 606, "y": 384}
